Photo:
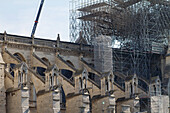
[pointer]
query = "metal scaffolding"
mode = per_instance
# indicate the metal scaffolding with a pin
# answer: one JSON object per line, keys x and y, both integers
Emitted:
{"x": 103, "y": 53}
{"x": 140, "y": 28}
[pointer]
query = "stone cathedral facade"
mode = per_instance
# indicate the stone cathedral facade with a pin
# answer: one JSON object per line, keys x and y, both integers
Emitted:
{"x": 51, "y": 76}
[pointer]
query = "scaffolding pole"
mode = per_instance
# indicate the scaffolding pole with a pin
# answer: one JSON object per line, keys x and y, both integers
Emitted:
{"x": 140, "y": 29}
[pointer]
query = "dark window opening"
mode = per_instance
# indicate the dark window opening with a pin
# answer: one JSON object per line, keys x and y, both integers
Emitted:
{"x": 131, "y": 89}
{"x": 70, "y": 63}
{"x": 91, "y": 76}
{"x": 144, "y": 104}
{"x": 40, "y": 71}
{"x": 51, "y": 80}
{"x": 46, "y": 60}
{"x": 154, "y": 89}
{"x": 143, "y": 85}
{"x": 134, "y": 83}
{"x": 80, "y": 80}
{"x": 107, "y": 85}
{"x": 19, "y": 57}
{"x": 119, "y": 81}
{"x": 11, "y": 69}
{"x": 63, "y": 99}
{"x": 84, "y": 81}
{"x": 67, "y": 73}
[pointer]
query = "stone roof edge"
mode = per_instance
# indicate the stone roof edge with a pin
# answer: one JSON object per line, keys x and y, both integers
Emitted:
{"x": 61, "y": 59}
{"x": 39, "y": 77}
{"x": 94, "y": 83}
{"x": 12, "y": 56}
{"x": 9, "y": 75}
{"x": 83, "y": 61}
{"x": 119, "y": 86}
{"x": 12, "y": 89}
{"x": 38, "y": 58}
{"x": 66, "y": 79}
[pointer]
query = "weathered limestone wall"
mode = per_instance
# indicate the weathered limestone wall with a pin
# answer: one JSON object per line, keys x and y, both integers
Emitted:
{"x": 93, "y": 89}
{"x": 25, "y": 100}
{"x": 141, "y": 92}
{"x": 8, "y": 82}
{"x": 14, "y": 102}
{"x": 50, "y": 55}
{"x": 25, "y": 52}
{"x": 33, "y": 110}
{"x": 39, "y": 85}
{"x": 73, "y": 59}
{"x": 37, "y": 63}
{"x": 18, "y": 101}
{"x": 118, "y": 92}
{"x": 77, "y": 104}
{"x": 2, "y": 90}
{"x": 159, "y": 104}
{"x": 56, "y": 101}
{"x": 67, "y": 87}
{"x": 129, "y": 102}
{"x": 100, "y": 105}
{"x": 74, "y": 102}
{"x": 45, "y": 103}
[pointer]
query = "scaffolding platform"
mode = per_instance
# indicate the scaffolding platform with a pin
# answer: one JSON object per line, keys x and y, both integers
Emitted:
{"x": 140, "y": 27}
{"x": 128, "y": 3}
{"x": 90, "y": 7}
{"x": 95, "y": 14}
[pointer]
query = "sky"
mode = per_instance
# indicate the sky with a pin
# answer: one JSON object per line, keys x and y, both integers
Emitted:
{"x": 17, "y": 17}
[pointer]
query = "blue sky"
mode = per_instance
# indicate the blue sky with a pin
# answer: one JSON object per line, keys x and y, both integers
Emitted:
{"x": 18, "y": 16}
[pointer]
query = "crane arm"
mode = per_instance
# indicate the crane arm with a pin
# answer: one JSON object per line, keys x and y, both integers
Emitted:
{"x": 37, "y": 18}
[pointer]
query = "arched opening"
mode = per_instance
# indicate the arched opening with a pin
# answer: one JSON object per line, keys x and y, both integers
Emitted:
{"x": 143, "y": 85}
{"x": 46, "y": 60}
{"x": 40, "y": 71}
{"x": 119, "y": 81}
{"x": 80, "y": 82}
{"x": 68, "y": 61}
{"x": 131, "y": 89}
{"x": 111, "y": 82}
{"x": 158, "y": 86}
{"x": 106, "y": 84}
{"x": 19, "y": 57}
{"x": 154, "y": 90}
{"x": 91, "y": 76}
{"x": 62, "y": 98}
{"x": 135, "y": 87}
{"x": 67, "y": 73}
{"x": 11, "y": 69}
{"x": 135, "y": 79}
{"x": 12, "y": 65}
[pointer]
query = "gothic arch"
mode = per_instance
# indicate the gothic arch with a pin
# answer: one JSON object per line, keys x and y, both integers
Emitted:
{"x": 12, "y": 65}
{"x": 68, "y": 61}
{"x": 131, "y": 89}
{"x": 67, "y": 73}
{"x": 19, "y": 57}
{"x": 85, "y": 74}
{"x": 46, "y": 60}
{"x": 41, "y": 70}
